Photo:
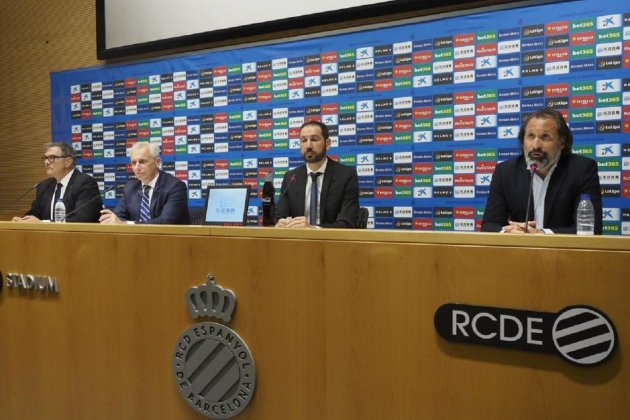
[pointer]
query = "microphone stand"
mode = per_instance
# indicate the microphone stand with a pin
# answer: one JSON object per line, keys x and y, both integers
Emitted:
{"x": 91, "y": 200}
{"x": 532, "y": 169}
{"x": 17, "y": 200}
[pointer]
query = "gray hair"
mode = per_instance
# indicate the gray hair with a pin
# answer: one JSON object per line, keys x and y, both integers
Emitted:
{"x": 154, "y": 149}
{"x": 66, "y": 149}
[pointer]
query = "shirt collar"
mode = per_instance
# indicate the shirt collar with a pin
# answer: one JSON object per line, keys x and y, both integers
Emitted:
{"x": 153, "y": 181}
{"x": 66, "y": 179}
{"x": 551, "y": 169}
{"x": 321, "y": 169}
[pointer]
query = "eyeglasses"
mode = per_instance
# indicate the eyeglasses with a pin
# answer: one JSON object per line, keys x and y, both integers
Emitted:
{"x": 52, "y": 158}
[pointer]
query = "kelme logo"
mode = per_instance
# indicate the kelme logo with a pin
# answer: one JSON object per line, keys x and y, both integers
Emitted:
{"x": 580, "y": 334}
{"x": 213, "y": 369}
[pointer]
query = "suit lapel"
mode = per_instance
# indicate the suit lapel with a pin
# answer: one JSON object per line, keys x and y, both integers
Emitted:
{"x": 134, "y": 200}
{"x": 159, "y": 186}
{"x": 300, "y": 180}
{"x": 556, "y": 181}
{"x": 68, "y": 193}
{"x": 328, "y": 177}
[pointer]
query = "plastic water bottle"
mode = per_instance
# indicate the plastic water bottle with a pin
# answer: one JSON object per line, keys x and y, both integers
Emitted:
{"x": 585, "y": 216}
{"x": 268, "y": 204}
{"x": 60, "y": 211}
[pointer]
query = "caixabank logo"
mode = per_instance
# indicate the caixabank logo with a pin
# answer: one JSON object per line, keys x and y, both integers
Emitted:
{"x": 580, "y": 334}
{"x": 213, "y": 369}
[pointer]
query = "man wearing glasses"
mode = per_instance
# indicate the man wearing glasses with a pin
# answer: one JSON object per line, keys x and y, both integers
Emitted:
{"x": 79, "y": 192}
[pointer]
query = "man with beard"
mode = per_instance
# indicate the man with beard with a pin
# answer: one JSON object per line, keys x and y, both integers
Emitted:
{"x": 321, "y": 193}
{"x": 559, "y": 179}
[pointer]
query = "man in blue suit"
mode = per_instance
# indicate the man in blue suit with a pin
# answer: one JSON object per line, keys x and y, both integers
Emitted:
{"x": 154, "y": 197}
{"x": 557, "y": 177}
{"x": 336, "y": 186}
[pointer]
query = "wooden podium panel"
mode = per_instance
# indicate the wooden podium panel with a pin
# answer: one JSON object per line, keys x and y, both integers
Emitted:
{"x": 340, "y": 323}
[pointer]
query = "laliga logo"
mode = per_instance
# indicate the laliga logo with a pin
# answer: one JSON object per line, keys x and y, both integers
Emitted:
{"x": 580, "y": 334}
{"x": 214, "y": 370}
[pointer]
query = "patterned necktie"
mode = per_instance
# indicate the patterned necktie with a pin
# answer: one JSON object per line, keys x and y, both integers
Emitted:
{"x": 57, "y": 196}
{"x": 314, "y": 197}
{"x": 145, "y": 213}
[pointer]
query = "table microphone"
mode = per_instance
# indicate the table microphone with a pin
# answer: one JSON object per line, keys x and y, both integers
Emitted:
{"x": 532, "y": 169}
{"x": 19, "y": 198}
{"x": 91, "y": 200}
{"x": 286, "y": 190}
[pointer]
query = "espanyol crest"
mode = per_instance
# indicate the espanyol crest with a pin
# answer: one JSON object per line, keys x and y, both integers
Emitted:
{"x": 213, "y": 369}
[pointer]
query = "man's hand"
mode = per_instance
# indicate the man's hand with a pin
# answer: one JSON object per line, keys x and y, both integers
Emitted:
{"x": 108, "y": 217}
{"x": 517, "y": 227}
{"x": 26, "y": 219}
{"x": 294, "y": 222}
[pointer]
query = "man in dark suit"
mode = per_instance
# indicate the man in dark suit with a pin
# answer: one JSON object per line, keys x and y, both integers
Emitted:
{"x": 154, "y": 197}
{"x": 335, "y": 190}
{"x": 79, "y": 192}
{"x": 559, "y": 178}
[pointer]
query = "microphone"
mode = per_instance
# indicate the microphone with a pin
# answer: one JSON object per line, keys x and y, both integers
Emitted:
{"x": 532, "y": 169}
{"x": 286, "y": 190}
{"x": 283, "y": 195}
{"x": 17, "y": 200}
{"x": 91, "y": 200}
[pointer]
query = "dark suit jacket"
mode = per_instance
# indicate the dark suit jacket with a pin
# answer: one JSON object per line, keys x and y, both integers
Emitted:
{"x": 169, "y": 202}
{"x": 509, "y": 188}
{"x": 80, "y": 190}
{"x": 339, "y": 198}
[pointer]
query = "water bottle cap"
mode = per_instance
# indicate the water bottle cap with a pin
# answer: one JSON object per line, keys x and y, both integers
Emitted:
{"x": 585, "y": 196}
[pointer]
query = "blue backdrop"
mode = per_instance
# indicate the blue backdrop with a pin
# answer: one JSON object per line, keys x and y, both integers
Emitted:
{"x": 424, "y": 111}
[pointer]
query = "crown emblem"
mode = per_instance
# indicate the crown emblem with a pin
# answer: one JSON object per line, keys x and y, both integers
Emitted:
{"x": 211, "y": 300}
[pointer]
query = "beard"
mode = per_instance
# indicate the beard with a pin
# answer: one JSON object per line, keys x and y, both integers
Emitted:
{"x": 310, "y": 156}
{"x": 544, "y": 161}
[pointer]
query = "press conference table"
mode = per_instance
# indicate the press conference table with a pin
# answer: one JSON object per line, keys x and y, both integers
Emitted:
{"x": 339, "y": 322}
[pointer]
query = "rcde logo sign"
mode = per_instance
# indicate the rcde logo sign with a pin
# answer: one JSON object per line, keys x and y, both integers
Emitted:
{"x": 580, "y": 334}
{"x": 584, "y": 335}
{"x": 212, "y": 366}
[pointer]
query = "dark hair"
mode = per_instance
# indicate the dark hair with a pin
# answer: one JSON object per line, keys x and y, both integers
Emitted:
{"x": 66, "y": 149}
{"x": 321, "y": 125}
{"x": 563, "y": 129}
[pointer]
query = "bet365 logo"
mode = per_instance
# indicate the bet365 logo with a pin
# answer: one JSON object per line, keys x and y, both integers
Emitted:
{"x": 581, "y": 334}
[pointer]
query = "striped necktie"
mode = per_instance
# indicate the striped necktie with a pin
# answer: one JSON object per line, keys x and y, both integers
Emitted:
{"x": 145, "y": 209}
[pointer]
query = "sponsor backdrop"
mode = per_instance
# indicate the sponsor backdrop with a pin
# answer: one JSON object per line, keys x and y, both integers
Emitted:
{"x": 424, "y": 111}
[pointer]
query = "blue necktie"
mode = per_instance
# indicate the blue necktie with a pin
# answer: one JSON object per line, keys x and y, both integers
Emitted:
{"x": 145, "y": 209}
{"x": 314, "y": 197}
{"x": 57, "y": 196}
